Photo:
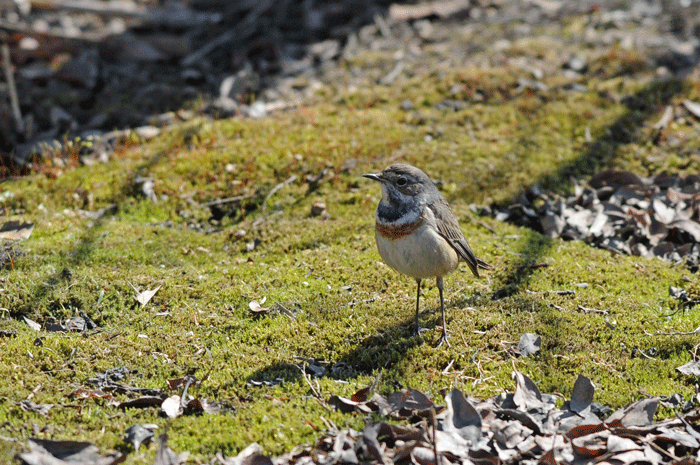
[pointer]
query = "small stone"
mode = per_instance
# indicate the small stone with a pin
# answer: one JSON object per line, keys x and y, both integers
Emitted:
{"x": 325, "y": 50}
{"x": 192, "y": 76}
{"x": 250, "y": 246}
{"x": 61, "y": 118}
{"x": 185, "y": 115}
{"x": 319, "y": 209}
{"x": 257, "y": 110}
{"x": 424, "y": 28}
{"x": 147, "y": 132}
{"x": 165, "y": 119}
{"x": 28, "y": 43}
{"x": 576, "y": 64}
{"x": 84, "y": 70}
{"x": 226, "y": 104}
{"x": 99, "y": 120}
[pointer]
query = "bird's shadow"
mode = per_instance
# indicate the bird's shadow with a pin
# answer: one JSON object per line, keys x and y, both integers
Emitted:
{"x": 381, "y": 350}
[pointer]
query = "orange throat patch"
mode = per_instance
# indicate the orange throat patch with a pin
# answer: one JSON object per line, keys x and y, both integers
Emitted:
{"x": 392, "y": 232}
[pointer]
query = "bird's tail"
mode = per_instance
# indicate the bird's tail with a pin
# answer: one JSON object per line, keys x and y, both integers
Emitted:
{"x": 482, "y": 264}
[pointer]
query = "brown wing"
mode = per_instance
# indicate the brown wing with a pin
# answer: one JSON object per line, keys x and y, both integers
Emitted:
{"x": 448, "y": 228}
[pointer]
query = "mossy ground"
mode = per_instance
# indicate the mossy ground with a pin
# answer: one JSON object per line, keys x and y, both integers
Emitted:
{"x": 348, "y": 306}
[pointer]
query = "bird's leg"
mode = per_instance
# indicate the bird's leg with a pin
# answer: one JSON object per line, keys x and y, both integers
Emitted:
{"x": 443, "y": 338}
{"x": 417, "y": 306}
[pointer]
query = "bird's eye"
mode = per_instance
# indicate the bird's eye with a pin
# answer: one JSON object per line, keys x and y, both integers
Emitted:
{"x": 401, "y": 181}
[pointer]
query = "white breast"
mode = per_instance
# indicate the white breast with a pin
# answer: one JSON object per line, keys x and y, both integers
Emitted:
{"x": 422, "y": 254}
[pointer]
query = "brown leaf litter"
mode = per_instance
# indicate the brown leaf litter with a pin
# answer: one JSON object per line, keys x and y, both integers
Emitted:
{"x": 523, "y": 427}
{"x": 619, "y": 211}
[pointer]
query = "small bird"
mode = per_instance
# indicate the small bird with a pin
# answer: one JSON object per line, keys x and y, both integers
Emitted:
{"x": 417, "y": 233}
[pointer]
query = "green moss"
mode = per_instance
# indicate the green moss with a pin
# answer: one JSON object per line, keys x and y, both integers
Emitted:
{"x": 346, "y": 307}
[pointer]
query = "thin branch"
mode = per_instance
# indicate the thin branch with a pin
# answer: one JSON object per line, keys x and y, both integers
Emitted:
{"x": 674, "y": 333}
{"x": 481, "y": 223}
{"x": 592, "y": 310}
{"x": 303, "y": 375}
{"x": 276, "y": 189}
{"x": 235, "y": 199}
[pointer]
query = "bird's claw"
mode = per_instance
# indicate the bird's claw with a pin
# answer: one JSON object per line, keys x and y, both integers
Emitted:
{"x": 443, "y": 339}
{"x": 419, "y": 331}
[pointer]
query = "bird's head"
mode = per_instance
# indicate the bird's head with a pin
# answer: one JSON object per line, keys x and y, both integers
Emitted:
{"x": 403, "y": 183}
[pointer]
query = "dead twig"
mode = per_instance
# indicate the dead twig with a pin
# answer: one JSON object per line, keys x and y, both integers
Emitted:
{"x": 393, "y": 74}
{"x": 557, "y": 292}
{"x": 304, "y": 375}
{"x": 446, "y": 371}
{"x": 235, "y": 199}
{"x": 674, "y": 333}
{"x": 592, "y": 310}
{"x": 68, "y": 42}
{"x": 276, "y": 189}
{"x": 533, "y": 266}
{"x": 34, "y": 391}
{"x": 481, "y": 223}
{"x": 648, "y": 357}
{"x": 183, "y": 398}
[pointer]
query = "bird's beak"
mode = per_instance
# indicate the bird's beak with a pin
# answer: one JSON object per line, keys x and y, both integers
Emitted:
{"x": 374, "y": 177}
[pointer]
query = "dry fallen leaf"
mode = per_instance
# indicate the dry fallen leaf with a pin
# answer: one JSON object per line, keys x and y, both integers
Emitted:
{"x": 15, "y": 231}
{"x": 582, "y": 395}
{"x": 32, "y": 324}
{"x": 46, "y": 452}
{"x": 346, "y": 405}
{"x": 244, "y": 457}
{"x": 640, "y": 413}
{"x": 176, "y": 383}
{"x": 256, "y": 307}
{"x": 665, "y": 119}
{"x": 690, "y": 368}
{"x": 462, "y": 418}
{"x": 172, "y": 406}
{"x": 142, "y": 402}
{"x": 29, "y": 406}
{"x": 138, "y": 434}
{"x": 529, "y": 344}
{"x": 81, "y": 393}
{"x": 526, "y": 395}
{"x": 145, "y": 296}
{"x": 166, "y": 456}
{"x": 203, "y": 406}
{"x": 407, "y": 401}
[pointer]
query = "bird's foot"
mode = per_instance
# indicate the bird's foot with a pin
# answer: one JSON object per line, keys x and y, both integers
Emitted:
{"x": 443, "y": 339}
{"x": 418, "y": 331}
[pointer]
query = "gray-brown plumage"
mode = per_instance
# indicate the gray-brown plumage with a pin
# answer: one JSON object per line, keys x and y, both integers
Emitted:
{"x": 417, "y": 233}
